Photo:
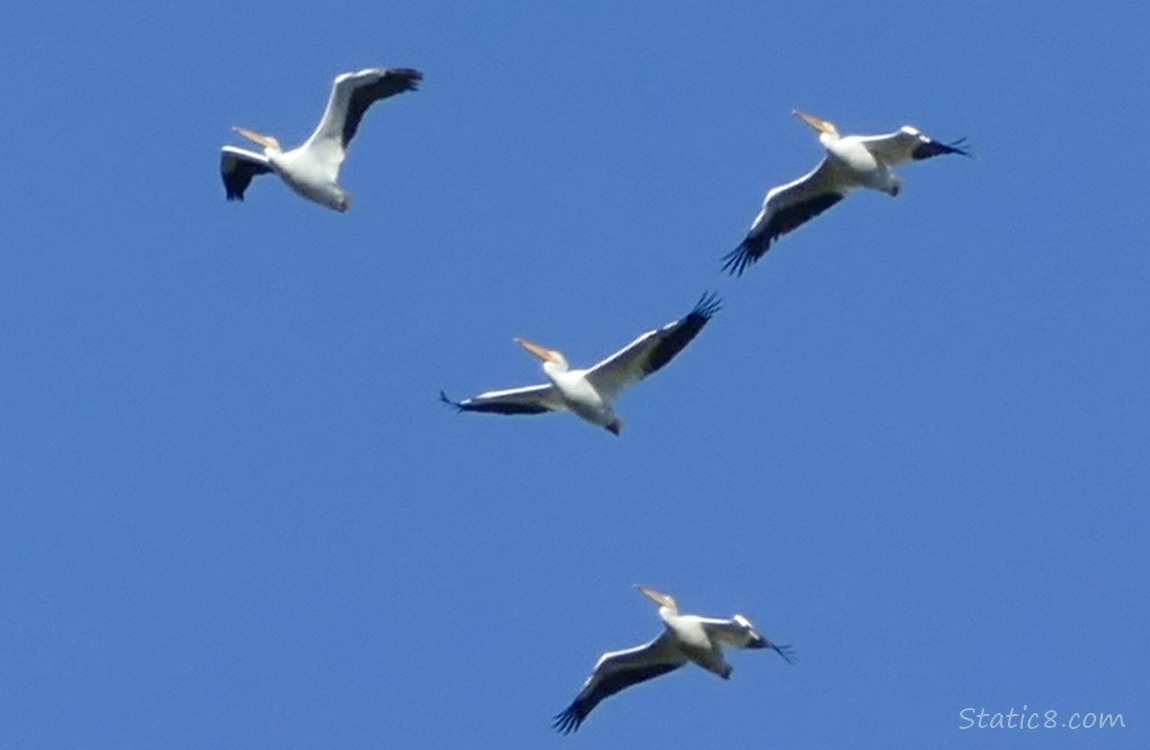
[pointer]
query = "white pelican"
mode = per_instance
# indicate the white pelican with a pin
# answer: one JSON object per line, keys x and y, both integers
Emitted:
{"x": 685, "y": 638}
{"x": 591, "y": 393}
{"x": 851, "y": 161}
{"x": 312, "y": 170}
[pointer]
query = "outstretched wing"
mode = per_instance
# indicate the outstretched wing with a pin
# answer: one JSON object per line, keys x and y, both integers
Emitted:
{"x": 238, "y": 167}
{"x": 735, "y": 631}
{"x": 351, "y": 95}
{"x": 932, "y": 148}
{"x": 909, "y": 144}
{"x": 532, "y": 399}
{"x": 786, "y": 208}
{"x": 738, "y": 632}
{"x": 616, "y": 671}
{"x": 652, "y": 350}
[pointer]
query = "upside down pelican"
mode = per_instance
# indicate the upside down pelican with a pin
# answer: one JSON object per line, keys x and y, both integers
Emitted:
{"x": 685, "y": 638}
{"x": 591, "y": 393}
{"x": 852, "y": 161}
{"x": 312, "y": 169}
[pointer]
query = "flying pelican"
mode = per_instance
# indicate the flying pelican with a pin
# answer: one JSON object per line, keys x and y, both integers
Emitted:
{"x": 851, "y": 161}
{"x": 312, "y": 170}
{"x": 685, "y": 638}
{"x": 591, "y": 393}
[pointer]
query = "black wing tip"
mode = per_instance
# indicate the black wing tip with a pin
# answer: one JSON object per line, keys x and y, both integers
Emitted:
{"x": 234, "y": 193}
{"x": 934, "y": 148}
{"x": 745, "y": 255}
{"x": 567, "y": 721}
{"x": 709, "y": 304}
{"x": 411, "y": 77}
{"x": 961, "y": 147}
{"x": 453, "y": 404}
{"x": 786, "y": 651}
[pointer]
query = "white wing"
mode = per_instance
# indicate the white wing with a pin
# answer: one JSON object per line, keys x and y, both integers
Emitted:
{"x": 906, "y": 145}
{"x": 351, "y": 95}
{"x": 788, "y": 207}
{"x": 531, "y": 399}
{"x": 618, "y": 670}
{"x": 651, "y": 351}
{"x": 738, "y": 632}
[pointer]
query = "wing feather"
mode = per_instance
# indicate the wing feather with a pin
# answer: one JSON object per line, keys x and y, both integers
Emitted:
{"x": 351, "y": 95}
{"x": 532, "y": 399}
{"x": 908, "y": 144}
{"x": 891, "y": 149}
{"x": 238, "y": 167}
{"x": 738, "y": 632}
{"x": 616, "y": 671}
{"x": 786, "y": 208}
{"x": 729, "y": 631}
{"x": 390, "y": 83}
{"x": 651, "y": 351}
{"x": 937, "y": 148}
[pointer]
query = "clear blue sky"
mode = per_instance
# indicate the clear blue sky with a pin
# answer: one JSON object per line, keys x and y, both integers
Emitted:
{"x": 914, "y": 444}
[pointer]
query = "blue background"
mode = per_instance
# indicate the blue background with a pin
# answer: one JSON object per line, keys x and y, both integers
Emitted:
{"x": 913, "y": 444}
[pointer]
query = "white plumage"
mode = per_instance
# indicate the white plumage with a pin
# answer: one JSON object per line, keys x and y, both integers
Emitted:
{"x": 852, "y": 161}
{"x": 591, "y": 393}
{"x": 312, "y": 169}
{"x": 685, "y": 638}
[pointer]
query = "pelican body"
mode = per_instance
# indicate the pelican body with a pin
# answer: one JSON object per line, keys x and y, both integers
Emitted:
{"x": 851, "y": 162}
{"x": 591, "y": 393}
{"x": 685, "y": 638}
{"x": 312, "y": 169}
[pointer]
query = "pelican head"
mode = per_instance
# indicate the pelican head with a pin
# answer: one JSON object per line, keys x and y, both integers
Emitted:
{"x": 663, "y": 600}
{"x": 543, "y": 353}
{"x": 267, "y": 141}
{"x": 823, "y": 126}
